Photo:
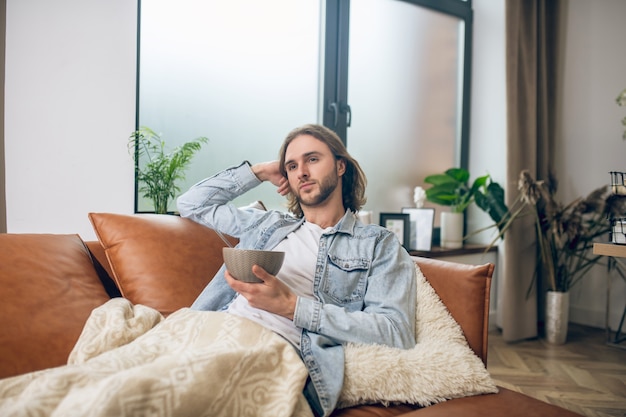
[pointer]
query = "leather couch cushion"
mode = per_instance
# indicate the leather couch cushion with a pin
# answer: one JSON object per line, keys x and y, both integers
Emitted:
{"x": 453, "y": 282}
{"x": 161, "y": 261}
{"x": 49, "y": 288}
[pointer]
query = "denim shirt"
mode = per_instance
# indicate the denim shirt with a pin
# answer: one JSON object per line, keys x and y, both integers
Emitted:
{"x": 364, "y": 282}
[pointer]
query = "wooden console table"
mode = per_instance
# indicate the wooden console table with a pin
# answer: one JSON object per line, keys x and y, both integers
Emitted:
{"x": 615, "y": 251}
{"x": 609, "y": 249}
{"x": 467, "y": 249}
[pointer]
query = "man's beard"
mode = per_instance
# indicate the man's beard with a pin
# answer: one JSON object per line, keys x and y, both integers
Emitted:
{"x": 327, "y": 186}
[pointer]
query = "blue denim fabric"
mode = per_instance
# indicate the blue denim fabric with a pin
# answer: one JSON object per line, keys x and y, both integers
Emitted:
{"x": 364, "y": 281}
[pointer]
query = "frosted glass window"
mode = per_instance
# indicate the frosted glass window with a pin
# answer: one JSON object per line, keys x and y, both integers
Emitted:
{"x": 245, "y": 72}
{"x": 404, "y": 91}
{"x": 241, "y": 72}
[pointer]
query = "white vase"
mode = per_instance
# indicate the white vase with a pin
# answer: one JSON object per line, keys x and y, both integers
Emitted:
{"x": 451, "y": 230}
{"x": 557, "y": 316}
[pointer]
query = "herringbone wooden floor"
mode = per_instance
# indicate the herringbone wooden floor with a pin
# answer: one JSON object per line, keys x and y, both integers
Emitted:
{"x": 585, "y": 375}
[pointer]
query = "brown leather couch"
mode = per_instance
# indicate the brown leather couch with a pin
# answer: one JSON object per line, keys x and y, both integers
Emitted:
{"x": 50, "y": 284}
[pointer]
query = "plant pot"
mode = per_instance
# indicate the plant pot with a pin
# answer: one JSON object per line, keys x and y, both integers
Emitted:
{"x": 557, "y": 317}
{"x": 451, "y": 230}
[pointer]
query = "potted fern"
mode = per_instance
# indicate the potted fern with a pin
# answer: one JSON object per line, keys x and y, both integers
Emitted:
{"x": 158, "y": 170}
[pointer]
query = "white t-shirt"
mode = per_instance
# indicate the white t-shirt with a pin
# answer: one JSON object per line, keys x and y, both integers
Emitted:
{"x": 298, "y": 271}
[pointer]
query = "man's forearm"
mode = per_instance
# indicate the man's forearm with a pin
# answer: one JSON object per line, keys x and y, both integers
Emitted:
{"x": 216, "y": 190}
{"x": 262, "y": 170}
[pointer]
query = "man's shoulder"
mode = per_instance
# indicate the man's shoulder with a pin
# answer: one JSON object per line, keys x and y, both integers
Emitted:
{"x": 365, "y": 231}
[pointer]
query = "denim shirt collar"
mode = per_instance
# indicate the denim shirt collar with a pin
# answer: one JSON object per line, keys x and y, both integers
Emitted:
{"x": 345, "y": 225}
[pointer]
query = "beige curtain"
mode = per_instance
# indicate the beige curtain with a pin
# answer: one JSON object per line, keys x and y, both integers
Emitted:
{"x": 531, "y": 27}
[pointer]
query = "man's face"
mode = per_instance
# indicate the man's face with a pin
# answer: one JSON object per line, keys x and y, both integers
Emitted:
{"x": 312, "y": 170}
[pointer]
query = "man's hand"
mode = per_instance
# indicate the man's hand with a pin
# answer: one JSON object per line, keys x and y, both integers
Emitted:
{"x": 269, "y": 171}
{"x": 271, "y": 295}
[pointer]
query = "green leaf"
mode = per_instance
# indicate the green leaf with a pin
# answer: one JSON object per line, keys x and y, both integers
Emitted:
{"x": 440, "y": 179}
{"x": 450, "y": 189}
{"x": 459, "y": 174}
{"x": 492, "y": 202}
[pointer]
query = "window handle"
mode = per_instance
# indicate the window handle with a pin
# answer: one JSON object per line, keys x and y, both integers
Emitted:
{"x": 345, "y": 108}
{"x": 335, "y": 109}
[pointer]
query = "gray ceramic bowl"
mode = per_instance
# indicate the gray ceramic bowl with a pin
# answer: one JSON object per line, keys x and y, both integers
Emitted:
{"x": 239, "y": 262}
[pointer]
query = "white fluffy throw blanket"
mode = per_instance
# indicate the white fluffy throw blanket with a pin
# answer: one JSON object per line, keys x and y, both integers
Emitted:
{"x": 440, "y": 367}
{"x": 130, "y": 361}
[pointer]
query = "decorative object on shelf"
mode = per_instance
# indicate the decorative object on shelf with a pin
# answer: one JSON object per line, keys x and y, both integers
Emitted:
{"x": 451, "y": 189}
{"x": 399, "y": 224}
{"x": 618, "y": 182}
{"x": 419, "y": 197}
{"x": 618, "y": 230}
{"x": 565, "y": 232}
{"x": 618, "y": 221}
{"x": 621, "y": 101}
{"x": 422, "y": 222}
{"x": 158, "y": 170}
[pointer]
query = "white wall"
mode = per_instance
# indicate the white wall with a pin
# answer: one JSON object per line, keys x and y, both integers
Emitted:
{"x": 488, "y": 105}
{"x": 70, "y": 107}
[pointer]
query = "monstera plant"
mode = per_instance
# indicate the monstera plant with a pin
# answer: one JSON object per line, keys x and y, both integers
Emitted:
{"x": 158, "y": 170}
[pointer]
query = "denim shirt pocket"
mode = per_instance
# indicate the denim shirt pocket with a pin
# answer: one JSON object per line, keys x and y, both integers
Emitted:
{"x": 346, "y": 280}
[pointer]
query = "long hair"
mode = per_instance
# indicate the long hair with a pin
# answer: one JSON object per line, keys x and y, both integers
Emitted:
{"x": 353, "y": 180}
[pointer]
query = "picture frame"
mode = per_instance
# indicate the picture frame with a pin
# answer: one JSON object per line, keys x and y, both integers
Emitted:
{"x": 422, "y": 221}
{"x": 400, "y": 225}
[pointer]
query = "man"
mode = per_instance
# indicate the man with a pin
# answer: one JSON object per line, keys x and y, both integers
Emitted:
{"x": 341, "y": 281}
